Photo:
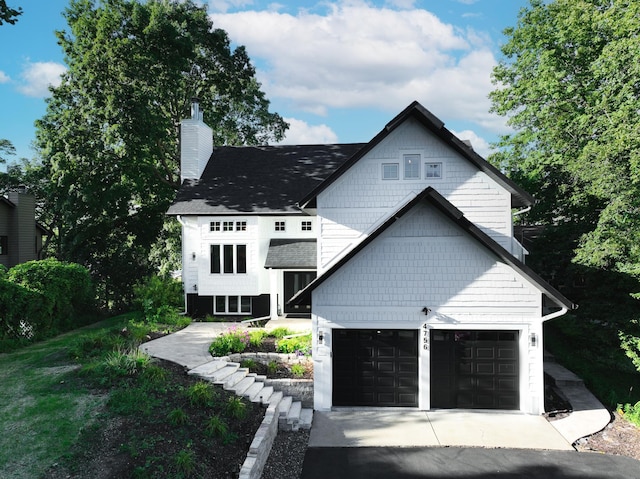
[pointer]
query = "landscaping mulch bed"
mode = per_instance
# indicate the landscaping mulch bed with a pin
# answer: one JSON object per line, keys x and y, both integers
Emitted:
{"x": 147, "y": 445}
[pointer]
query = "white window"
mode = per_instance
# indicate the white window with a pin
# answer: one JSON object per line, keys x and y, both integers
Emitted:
{"x": 227, "y": 226}
{"x": 241, "y": 226}
{"x": 306, "y": 226}
{"x": 411, "y": 166}
{"x": 232, "y": 304}
{"x": 214, "y": 226}
{"x": 280, "y": 226}
{"x": 433, "y": 170}
{"x": 390, "y": 171}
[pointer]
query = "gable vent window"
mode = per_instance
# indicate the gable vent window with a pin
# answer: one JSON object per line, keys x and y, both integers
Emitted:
{"x": 433, "y": 170}
{"x": 411, "y": 166}
{"x": 228, "y": 259}
{"x": 227, "y": 226}
{"x": 390, "y": 171}
{"x": 280, "y": 226}
{"x": 306, "y": 226}
{"x": 241, "y": 226}
{"x": 214, "y": 226}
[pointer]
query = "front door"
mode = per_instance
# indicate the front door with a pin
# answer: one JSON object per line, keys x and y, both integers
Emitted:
{"x": 294, "y": 281}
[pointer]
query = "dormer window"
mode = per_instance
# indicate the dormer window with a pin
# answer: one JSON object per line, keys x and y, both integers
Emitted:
{"x": 411, "y": 166}
{"x": 433, "y": 170}
{"x": 390, "y": 171}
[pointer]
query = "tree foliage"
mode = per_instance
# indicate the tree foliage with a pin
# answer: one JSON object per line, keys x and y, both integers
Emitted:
{"x": 110, "y": 134}
{"x": 7, "y": 14}
{"x": 570, "y": 85}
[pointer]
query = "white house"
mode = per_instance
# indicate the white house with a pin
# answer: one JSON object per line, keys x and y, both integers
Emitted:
{"x": 401, "y": 249}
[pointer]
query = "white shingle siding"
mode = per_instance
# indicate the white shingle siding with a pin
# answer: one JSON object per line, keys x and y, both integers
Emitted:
{"x": 360, "y": 199}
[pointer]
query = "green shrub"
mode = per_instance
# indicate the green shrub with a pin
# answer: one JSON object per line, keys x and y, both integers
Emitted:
{"x": 159, "y": 298}
{"x": 256, "y": 338}
{"x": 186, "y": 460}
{"x": 201, "y": 394}
{"x": 122, "y": 363}
{"x": 23, "y": 313}
{"x": 216, "y": 426}
{"x": 249, "y": 363}
{"x": 233, "y": 341}
{"x": 298, "y": 370}
{"x": 95, "y": 344}
{"x": 236, "y": 408}
{"x": 177, "y": 417}
{"x": 280, "y": 332}
{"x": 272, "y": 367}
{"x": 632, "y": 412}
{"x": 68, "y": 296}
{"x": 300, "y": 345}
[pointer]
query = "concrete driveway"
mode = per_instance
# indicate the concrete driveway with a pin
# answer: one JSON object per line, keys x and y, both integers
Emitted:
{"x": 406, "y": 428}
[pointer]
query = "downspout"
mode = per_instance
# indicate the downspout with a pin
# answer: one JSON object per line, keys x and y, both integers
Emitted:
{"x": 522, "y": 211}
{"x": 182, "y": 223}
{"x": 557, "y": 314}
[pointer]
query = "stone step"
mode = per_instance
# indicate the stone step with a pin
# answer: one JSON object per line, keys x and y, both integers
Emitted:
{"x": 263, "y": 395}
{"x": 207, "y": 369}
{"x": 233, "y": 379}
{"x": 306, "y": 418}
{"x": 243, "y": 385}
{"x": 562, "y": 376}
{"x": 253, "y": 390}
{"x": 222, "y": 374}
{"x": 284, "y": 406}
{"x": 275, "y": 398}
{"x": 293, "y": 416}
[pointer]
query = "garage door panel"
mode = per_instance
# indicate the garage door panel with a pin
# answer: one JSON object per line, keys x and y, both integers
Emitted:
{"x": 375, "y": 367}
{"x": 482, "y": 367}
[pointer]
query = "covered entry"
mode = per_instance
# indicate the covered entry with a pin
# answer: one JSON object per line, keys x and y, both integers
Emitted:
{"x": 375, "y": 367}
{"x": 474, "y": 369}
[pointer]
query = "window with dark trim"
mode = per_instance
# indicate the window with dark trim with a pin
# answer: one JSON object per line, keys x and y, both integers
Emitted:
{"x": 4, "y": 245}
{"x": 227, "y": 226}
{"x": 280, "y": 226}
{"x": 228, "y": 259}
{"x": 241, "y": 226}
{"x": 306, "y": 226}
{"x": 214, "y": 226}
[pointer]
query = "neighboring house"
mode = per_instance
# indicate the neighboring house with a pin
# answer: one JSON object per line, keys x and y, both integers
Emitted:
{"x": 20, "y": 235}
{"x": 420, "y": 297}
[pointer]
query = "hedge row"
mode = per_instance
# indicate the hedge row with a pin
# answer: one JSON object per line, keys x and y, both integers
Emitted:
{"x": 42, "y": 298}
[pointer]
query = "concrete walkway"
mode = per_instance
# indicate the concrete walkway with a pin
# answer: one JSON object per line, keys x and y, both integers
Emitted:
{"x": 395, "y": 427}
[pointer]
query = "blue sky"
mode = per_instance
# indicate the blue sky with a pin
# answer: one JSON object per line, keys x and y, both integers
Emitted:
{"x": 337, "y": 70}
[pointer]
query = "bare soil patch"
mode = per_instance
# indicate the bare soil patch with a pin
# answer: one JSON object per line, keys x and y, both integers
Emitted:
{"x": 620, "y": 438}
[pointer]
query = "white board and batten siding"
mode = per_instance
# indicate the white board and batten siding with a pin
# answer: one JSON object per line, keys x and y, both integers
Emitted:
{"x": 360, "y": 199}
{"x": 426, "y": 260}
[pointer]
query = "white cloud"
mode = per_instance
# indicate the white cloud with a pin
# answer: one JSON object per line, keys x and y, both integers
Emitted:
{"x": 479, "y": 144}
{"x": 4, "y": 78}
{"x": 38, "y": 76}
{"x": 356, "y": 55}
{"x": 301, "y": 133}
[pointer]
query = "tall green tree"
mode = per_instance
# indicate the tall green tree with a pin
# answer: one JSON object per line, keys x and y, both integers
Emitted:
{"x": 570, "y": 86}
{"x": 110, "y": 134}
{"x": 7, "y": 14}
{"x": 6, "y": 148}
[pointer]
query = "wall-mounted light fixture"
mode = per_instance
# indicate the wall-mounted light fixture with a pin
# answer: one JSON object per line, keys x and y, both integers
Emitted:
{"x": 533, "y": 340}
{"x": 426, "y": 311}
{"x": 193, "y": 255}
{"x": 195, "y": 287}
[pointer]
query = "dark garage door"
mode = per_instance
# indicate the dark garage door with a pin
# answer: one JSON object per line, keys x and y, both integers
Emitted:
{"x": 375, "y": 367}
{"x": 474, "y": 369}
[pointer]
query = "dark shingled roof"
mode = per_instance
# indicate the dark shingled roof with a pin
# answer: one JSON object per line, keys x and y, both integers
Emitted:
{"x": 291, "y": 253}
{"x": 434, "y": 198}
{"x": 259, "y": 179}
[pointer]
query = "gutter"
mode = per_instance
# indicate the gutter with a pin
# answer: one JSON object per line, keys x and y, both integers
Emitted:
{"x": 557, "y": 314}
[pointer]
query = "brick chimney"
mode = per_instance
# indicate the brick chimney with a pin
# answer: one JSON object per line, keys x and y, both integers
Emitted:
{"x": 196, "y": 144}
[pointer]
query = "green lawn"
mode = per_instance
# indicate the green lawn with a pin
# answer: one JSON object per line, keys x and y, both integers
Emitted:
{"x": 43, "y": 405}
